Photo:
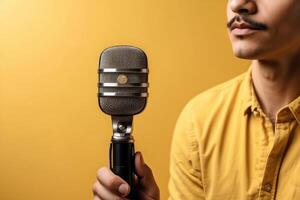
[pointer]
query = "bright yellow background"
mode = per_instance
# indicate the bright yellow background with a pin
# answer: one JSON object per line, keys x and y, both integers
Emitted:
{"x": 53, "y": 137}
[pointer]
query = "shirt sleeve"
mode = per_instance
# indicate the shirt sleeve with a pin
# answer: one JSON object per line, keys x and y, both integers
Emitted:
{"x": 185, "y": 172}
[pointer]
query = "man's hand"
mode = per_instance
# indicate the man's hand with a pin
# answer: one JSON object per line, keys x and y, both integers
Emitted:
{"x": 112, "y": 187}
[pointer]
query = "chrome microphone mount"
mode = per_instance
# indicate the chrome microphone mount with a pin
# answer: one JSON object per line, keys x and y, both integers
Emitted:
{"x": 122, "y": 129}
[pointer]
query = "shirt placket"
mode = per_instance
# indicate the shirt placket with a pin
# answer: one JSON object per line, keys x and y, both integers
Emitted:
{"x": 274, "y": 159}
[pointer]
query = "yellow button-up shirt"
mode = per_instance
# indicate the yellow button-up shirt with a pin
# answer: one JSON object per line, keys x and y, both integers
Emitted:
{"x": 225, "y": 148}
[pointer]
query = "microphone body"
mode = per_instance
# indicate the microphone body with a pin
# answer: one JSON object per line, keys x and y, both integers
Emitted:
{"x": 121, "y": 153}
{"x": 122, "y": 93}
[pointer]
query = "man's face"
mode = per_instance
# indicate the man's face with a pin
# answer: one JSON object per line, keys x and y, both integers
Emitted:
{"x": 264, "y": 29}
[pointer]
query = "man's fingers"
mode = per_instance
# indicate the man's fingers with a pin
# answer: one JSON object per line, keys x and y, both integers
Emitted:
{"x": 102, "y": 193}
{"x": 112, "y": 187}
{"x": 112, "y": 182}
{"x": 143, "y": 171}
{"x": 145, "y": 176}
{"x": 96, "y": 198}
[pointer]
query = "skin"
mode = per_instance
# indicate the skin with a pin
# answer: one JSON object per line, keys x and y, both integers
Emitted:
{"x": 275, "y": 52}
{"x": 275, "y": 55}
{"x": 111, "y": 187}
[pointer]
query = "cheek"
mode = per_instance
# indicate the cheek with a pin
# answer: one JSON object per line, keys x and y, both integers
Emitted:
{"x": 286, "y": 33}
{"x": 283, "y": 18}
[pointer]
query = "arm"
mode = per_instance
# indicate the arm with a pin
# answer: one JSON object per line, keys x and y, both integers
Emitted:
{"x": 185, "y": 172}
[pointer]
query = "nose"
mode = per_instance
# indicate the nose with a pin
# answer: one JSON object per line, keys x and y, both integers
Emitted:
{"x": 243, "y": 6}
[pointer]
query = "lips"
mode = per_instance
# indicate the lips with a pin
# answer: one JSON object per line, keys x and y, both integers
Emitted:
{"x": 243, "y": 29}
{"x": 242, "y": 26}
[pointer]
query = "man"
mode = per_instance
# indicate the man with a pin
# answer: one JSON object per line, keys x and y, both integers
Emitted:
{"x": 239, "y": 140}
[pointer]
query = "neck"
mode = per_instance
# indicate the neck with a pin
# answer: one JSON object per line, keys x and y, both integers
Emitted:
{"x": 276, "y": 82}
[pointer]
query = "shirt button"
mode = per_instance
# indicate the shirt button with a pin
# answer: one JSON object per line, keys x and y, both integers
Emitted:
{"x": 256, "y": 113}
{"x": 267, "y": 187}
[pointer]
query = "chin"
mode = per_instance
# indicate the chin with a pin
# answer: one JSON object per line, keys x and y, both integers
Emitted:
{"x": 245, "y": 55}
{"x": 246, "y": 51}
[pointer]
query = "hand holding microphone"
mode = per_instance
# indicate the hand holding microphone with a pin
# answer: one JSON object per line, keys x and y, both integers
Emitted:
{"x": 110, "y": 186}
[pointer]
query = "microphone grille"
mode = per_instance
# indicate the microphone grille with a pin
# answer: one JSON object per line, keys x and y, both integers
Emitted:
{"x": 123, "y": 80}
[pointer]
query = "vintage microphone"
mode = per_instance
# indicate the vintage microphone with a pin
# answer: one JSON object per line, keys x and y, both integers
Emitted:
{"x": 122, "y": 93}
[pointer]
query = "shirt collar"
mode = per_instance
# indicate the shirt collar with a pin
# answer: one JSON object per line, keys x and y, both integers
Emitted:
{"x": 295, "y": 108}
{"x": 251, "y": 104}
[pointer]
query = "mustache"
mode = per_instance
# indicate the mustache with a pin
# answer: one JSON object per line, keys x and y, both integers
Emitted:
{"x": 254, "y": 24}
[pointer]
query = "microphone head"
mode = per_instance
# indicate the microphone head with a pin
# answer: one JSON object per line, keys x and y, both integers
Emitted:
{"x": 123, "y": 80}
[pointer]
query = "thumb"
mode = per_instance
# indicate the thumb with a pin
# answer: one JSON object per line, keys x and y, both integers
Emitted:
{"x": 145, "y": 176}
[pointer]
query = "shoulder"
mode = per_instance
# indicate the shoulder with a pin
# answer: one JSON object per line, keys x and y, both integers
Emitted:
{"x": 206, "y": 111}
{"x": 216, "y": 100}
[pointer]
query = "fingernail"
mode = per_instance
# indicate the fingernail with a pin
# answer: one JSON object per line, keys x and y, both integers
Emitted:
{"x": 123, "y": 189}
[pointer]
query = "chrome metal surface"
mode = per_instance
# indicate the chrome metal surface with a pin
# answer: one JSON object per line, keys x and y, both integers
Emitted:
{"x": 122, "y": 94}
{"x": 124, "y": 85}
{"x": 128, "y": 70}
